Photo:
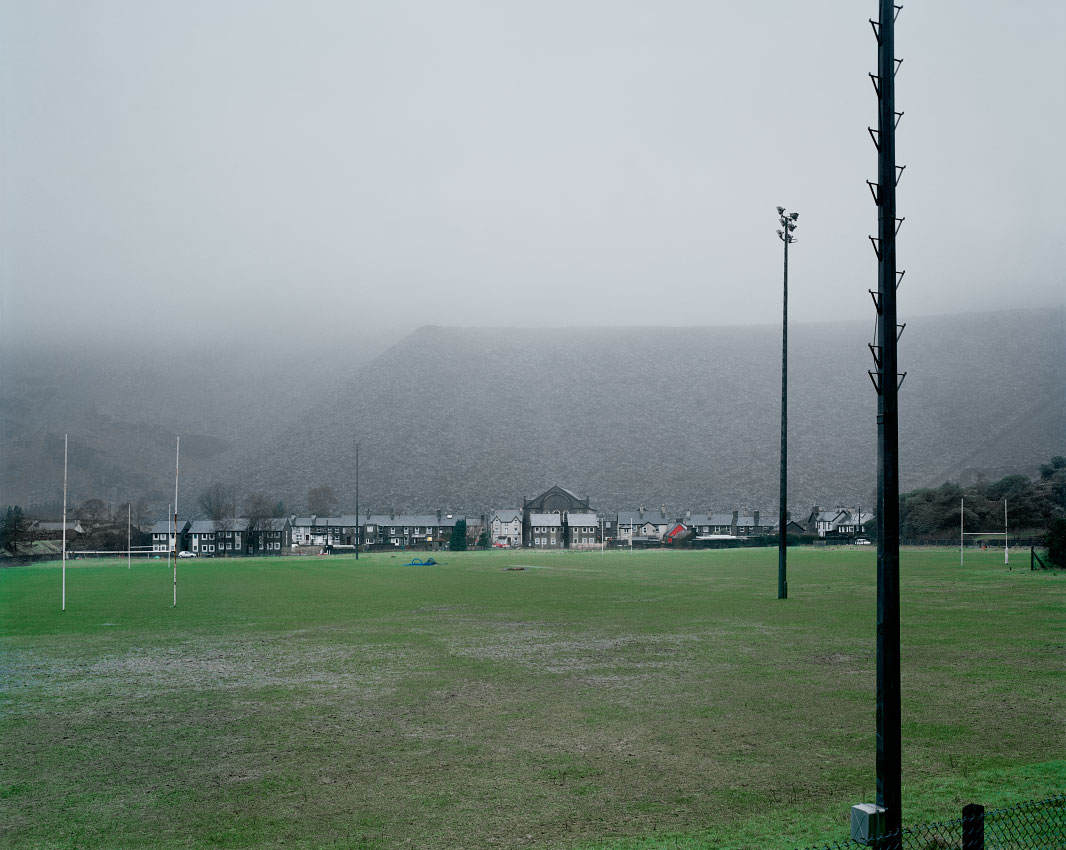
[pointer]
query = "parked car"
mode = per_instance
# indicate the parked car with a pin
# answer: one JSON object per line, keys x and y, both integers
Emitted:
{"x": 862, "y": 541}
{"x": 186, "y": 554}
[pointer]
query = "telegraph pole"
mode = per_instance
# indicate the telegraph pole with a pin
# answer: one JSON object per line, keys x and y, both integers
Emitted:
{"x": 788, "y": 227}
{"x": 887, "y": 381}
{"x": 358, "y": 522}
{"x": 64, "y": 591}
{"x": 177, "y": 458}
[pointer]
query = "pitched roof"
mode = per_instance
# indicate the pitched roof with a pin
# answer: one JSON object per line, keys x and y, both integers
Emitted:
{"x": 427, "y": 520}
{"x": 507, "y": 515}
{"x": 210, "y": 526}
{"x": 551, "y": 520}
{"x": 641, "y": 517}
{"x": 582, "y": 519}
{"x": 166, "y": 526}
{"x": 415, "y": 520}
{"x": 846, "y": 516}
{"x": 317, "y": 521}
{"x": 721, "y": 519}
{"x": 40, "y": 525}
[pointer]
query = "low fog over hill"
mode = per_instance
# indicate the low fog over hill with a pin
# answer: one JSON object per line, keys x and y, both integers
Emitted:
{"x": 123, "y": 402}
{"x": 471, "y": 418}
{"x": 688, "y": 417}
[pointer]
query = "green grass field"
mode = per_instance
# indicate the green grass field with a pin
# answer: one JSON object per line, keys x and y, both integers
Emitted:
{"x": 612, "y": 701}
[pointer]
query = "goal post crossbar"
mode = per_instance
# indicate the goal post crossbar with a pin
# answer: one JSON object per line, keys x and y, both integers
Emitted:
{"x": 115, "y": 552}
{"x": 963, "y": 533}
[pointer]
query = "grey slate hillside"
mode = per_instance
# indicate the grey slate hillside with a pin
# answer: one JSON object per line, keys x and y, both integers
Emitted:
{"x": 688, "y": 417}
{"x": 472, "y": 418}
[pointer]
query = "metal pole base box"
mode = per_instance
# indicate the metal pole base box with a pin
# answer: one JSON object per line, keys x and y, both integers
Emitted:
{"x": 867, "y": 822}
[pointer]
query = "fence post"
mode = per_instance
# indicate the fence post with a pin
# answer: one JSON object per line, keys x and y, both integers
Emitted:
{"x": 973, "y": 827}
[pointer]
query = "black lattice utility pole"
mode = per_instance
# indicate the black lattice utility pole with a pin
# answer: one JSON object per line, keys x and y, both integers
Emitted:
{"x": 358, "y": 522}
{"x": 788, "y": 227}
{"x": 887, "y": 381}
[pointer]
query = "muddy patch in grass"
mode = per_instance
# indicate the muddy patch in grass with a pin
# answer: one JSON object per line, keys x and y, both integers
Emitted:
{"x": 551, "y": 651}
{"x": 281, "y": 661}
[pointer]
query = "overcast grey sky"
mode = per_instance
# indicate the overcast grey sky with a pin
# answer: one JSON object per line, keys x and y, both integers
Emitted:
{"x": 501, "y": 163}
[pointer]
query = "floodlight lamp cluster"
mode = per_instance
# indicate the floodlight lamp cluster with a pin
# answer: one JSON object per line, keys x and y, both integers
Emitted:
{"x": 788, "y": 225}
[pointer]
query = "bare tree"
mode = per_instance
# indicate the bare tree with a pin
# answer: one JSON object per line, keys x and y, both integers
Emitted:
{"x": 219, "y": 501}
{"x": 260, "y": 510}
{"x": 12, "y": 528}
{"x": 92, "y": 510}
{"x": 139, "y": 512}
{"x": 321, "y": 500}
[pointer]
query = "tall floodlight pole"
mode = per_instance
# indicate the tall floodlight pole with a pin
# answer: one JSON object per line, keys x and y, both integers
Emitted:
{"x": 886, "y": 381}
{"x": 788, "y": 227}
{"x": 129, "y": 536}
{"x": 64, "y": 599}
{"x": 358, "y": 521}
{"x": 177, "y": 458}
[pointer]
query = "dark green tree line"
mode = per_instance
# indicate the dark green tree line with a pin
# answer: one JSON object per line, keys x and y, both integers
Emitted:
{"x": 1032, "y": 505}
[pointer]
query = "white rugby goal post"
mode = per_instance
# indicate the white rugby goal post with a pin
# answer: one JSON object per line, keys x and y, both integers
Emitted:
{"x": 963, "y": 533}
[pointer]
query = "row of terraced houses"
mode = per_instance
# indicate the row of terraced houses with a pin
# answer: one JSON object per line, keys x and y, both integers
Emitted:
{"x": 556, "y": 519}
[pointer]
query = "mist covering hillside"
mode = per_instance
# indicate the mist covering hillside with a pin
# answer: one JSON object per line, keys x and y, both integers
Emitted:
{"x": 122, "y": 403}
{"x": 471, "y": 418}
{"x": 474, "y": 418}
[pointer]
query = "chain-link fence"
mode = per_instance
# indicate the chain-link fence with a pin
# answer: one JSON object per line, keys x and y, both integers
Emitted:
{"x": 1033, "y": 825}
